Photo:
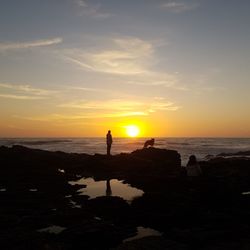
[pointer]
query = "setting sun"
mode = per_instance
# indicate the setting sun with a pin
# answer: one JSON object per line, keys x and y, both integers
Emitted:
{"x": 132, "y": 130}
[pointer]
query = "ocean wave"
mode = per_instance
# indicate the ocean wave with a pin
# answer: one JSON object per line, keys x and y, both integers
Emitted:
{"x": 179, "y": 143}
{"x": 41, "y": 142}
{"x": 240, "y": 153}
{"x": 185, "y": 146}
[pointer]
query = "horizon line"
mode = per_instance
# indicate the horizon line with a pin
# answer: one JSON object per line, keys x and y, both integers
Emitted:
{"x": 124, "y": 137}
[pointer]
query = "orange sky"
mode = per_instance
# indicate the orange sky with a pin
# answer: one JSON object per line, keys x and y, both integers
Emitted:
{"x": 80, "y": 68}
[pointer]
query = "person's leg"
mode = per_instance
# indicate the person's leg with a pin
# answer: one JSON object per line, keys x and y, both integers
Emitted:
{"x": 108, "y": 149}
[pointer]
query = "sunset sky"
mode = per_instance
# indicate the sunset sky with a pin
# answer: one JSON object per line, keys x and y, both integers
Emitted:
{"x": 80, "y": 67}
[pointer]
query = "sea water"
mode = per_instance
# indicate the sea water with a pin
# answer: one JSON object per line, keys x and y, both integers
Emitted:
{"x": 201, "y": 147}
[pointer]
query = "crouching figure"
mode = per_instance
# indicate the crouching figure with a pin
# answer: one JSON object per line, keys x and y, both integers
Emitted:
{"x": 149, "y": 143}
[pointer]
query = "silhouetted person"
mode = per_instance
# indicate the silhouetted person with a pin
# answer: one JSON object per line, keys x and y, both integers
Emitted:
{"x": 193, "y": 168}
{"x": 108, "y": 188}
{"x": 149, "y": 143}
{"x": 109, "y": 141}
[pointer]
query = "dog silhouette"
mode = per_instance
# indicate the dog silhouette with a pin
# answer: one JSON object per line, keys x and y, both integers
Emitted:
{"x": 149, "y": 143}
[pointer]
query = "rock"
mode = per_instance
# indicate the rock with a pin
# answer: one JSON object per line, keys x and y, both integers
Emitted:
{"x": 152, "y": 242}
{"x": 93, "y": 234}
{"x": 161, "y": 157}
{"x": 211, "y": 211}
{"x": 110, "y": 207}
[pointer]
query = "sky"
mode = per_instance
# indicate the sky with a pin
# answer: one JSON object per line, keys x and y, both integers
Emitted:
{"x": 174, "y": 68}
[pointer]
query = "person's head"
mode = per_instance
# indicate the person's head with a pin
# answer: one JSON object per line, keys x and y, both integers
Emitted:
{"x": 109, "y": 131}
{"x": 192, "y": 159}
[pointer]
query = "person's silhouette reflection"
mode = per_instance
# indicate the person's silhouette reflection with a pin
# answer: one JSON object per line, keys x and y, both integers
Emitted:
{"x": 108, "y": 188}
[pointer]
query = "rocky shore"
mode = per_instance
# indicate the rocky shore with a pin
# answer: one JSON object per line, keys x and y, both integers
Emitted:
{"x": 40, "y": 209}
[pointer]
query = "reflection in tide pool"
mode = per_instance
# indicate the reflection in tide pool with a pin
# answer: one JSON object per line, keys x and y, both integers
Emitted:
{"x": 143, "y": 232}
{"x": 111, "y": 187}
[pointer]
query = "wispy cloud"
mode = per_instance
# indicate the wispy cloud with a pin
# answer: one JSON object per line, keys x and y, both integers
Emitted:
{"x": 81, "y": 3}
{"x": 21, "y": 97}
{"x": 120, "y": 108}
{"x": 88, "y": 89}
{"x": 115, "y": 104}
{"x": 25, "y": 92}
{"x": 129, "y": 58}
{"x": 155, "y": 79}
{"x": 30, "y": 44}
{"x": 130, "y": 61}
{"x": 179, "y": 7}
{"x": 27, "y": 88}
{"x": 78, "y": 117}
{"x": 160, "y": 104}
{"x": 80, "y": 111}
{"x": 88, "y": 9}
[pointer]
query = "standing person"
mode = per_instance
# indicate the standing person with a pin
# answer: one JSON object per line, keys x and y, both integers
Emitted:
{"x": 109, "y": 141}
{"x": 193, "y": 168}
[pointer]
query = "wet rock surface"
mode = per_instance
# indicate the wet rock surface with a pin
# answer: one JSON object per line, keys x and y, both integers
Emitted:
{"x": 210, "y": 213}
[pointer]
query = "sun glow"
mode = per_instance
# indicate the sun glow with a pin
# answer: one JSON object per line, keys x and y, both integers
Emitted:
{"x": 132, "y": 130}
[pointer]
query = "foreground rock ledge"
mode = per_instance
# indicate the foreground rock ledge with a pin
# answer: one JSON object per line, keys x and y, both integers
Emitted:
{"x": 210, "y": 214}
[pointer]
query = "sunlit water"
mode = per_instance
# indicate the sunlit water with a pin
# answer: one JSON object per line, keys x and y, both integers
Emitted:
{"x": 112, "y": 187}
{"x": 201, "y": 147}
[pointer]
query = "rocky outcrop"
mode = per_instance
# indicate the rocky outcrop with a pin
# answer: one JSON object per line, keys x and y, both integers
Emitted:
{"x": 212, "y": 212}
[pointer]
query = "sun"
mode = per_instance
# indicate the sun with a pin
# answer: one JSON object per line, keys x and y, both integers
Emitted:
{"x": 132, "y": 130}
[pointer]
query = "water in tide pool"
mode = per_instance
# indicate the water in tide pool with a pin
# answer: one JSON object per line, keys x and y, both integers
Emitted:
{"x": 201, "y": 147}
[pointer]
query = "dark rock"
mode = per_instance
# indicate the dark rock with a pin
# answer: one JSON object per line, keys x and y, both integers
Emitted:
{"x": 109, "y": 207}
{"x": 152, "y": 242}
{"x": 93, "y": 234}
{"x": 162, "y": 157}
{"x": 201, "y": 214}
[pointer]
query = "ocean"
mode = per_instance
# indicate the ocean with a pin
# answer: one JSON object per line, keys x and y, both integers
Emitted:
{"x": 203, "y": 148}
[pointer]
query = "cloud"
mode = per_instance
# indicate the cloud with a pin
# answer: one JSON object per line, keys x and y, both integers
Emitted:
{"x": 84, "y": 8}
{"x": 88, "y": 89}
{"x": 179, "y": 7}
{"x": 27, "y": 88}
{"x": 155, "y": 79}
{"x": 125, "y": 114}
{"x": 81, "y": 3}
{"x": 106, "y": 91}
{"x": 115, "y": 105}
{"x": 20, "y": 92}
{"x": 31, "y": 44}
{"x": 82, "y": 110}
{"x": 130, "y": 61}
{"x": 77, "y": 117}
{"x": 121, "y": 108}
{"x": 129, "y": 57}
{"x": 159, "y": 104}
{"x": 21, "y": 97}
